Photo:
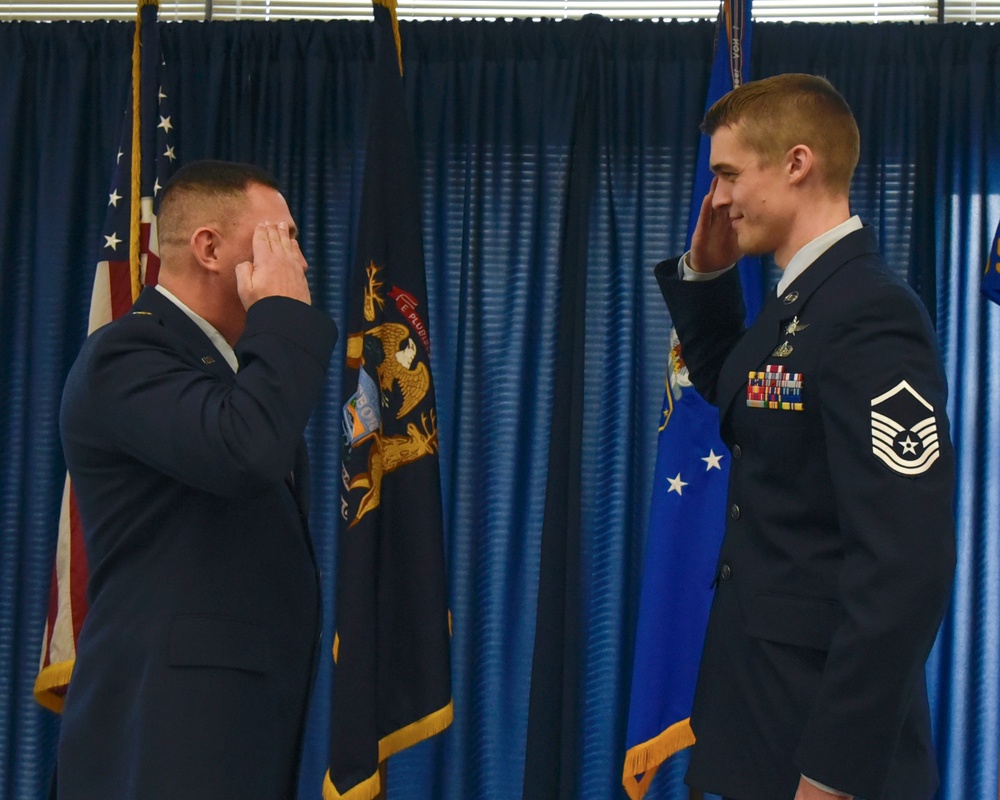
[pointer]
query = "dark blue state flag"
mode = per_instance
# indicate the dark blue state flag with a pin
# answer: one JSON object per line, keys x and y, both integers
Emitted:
{"x": 686, "y": 519}
{"x": 991, "y": 277}
{"x": 391, "y": 675}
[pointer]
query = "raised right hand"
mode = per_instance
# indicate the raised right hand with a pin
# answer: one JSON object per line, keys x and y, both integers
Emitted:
{"x": 278, "y": 268}
{"x": 713, "y": 243}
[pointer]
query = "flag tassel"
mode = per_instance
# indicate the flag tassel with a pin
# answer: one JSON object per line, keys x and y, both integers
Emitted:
{"x": 643, "y": 760}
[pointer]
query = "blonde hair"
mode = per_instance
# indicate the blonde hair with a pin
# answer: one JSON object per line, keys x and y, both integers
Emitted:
{"x": 774, "y": 114}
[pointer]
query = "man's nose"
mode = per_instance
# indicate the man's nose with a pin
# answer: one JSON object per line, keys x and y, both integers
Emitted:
{"x": 721, "y": 198}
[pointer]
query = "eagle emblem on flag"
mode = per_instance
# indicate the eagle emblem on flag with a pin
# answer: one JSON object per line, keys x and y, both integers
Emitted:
{"x": 392, "y": 375}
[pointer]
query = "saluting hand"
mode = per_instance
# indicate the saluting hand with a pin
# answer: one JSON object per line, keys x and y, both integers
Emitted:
{"x": 713, "y": 243}
{"x": 278, "y": 268}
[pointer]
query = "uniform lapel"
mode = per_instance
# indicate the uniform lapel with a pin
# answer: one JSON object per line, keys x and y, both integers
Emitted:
{"x": 200, "y": 347}
{"x": 756, "y": 344}
{"x": 760, "y": 340}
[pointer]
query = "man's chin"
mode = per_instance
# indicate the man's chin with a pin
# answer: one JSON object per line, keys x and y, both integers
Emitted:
{"x": 750, "y": 248}
{"x": 751, "y": 245}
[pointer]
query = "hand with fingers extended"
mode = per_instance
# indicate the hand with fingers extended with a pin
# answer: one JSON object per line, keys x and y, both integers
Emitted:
{"x": 278, "y": 268}
{"x": 713, "y": 244}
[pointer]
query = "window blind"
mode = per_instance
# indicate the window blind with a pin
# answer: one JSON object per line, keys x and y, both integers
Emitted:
{"x": 764, "y": 10}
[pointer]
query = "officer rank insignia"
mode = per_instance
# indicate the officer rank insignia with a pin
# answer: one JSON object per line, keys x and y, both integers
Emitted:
{"x": 904, "y": 430}
{"x": 773, "y": 387}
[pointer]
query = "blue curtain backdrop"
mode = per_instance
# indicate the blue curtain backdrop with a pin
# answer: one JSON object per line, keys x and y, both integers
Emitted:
{"x": 556, "y": 161}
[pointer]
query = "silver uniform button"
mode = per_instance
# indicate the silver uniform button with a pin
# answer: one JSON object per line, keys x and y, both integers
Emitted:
{"x": 734, "y": 512}
{"x": 725, "y": 573}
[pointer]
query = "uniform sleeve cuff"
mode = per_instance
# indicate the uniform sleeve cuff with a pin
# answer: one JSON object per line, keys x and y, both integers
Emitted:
{"x": 685, "y": 273}
{"x": 826, "y": 788}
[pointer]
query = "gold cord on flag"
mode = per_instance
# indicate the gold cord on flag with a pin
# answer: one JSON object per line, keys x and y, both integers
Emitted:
{"x": 391, "y": 5}
{"x": 134, "y": 199}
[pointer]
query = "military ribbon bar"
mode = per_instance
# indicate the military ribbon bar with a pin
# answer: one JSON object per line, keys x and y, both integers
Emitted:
{"x": 773, "y": 387}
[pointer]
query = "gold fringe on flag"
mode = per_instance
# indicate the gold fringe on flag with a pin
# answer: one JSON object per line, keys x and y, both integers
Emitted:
{"x": 646, "y": 758}
{"x": 424, "y": 728}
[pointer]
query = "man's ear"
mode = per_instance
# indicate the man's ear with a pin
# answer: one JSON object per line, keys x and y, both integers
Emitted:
{"x": 799, "y": 162}
{"x": 204, "y": 247}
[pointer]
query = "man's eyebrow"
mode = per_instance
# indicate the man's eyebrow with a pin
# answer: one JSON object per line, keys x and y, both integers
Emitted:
{"x": 722, "y": 166}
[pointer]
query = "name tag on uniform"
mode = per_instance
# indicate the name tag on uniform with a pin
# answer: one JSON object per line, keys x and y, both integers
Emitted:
{"x": 773, "y": 387}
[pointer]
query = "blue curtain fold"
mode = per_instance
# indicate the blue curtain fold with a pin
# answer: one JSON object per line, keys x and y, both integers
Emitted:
{"x": 556, "y": 163}
{"x": 55, "y": 144}
{"x": 964, "y": 668}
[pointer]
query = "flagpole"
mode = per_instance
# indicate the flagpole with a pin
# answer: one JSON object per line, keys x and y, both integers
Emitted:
{"x": 135, "y": 207}
{"x": 383, "y": 776}
{"x": 383, "y": 766}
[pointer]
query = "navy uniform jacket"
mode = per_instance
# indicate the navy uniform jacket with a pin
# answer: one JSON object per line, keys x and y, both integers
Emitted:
{"x": 195, "y": 660}
{"x": 837, "y": 561}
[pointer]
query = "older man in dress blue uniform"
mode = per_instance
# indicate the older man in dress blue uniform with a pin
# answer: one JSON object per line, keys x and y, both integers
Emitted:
{"x": 182, "y": 425}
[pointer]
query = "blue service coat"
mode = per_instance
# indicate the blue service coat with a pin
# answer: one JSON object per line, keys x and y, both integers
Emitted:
{"x": 838, "y": 556}
{"x": 195, "y": 660}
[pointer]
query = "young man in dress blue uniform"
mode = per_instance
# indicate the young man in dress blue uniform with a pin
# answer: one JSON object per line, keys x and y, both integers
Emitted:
{"x": 182, "y": 426}
{"x": 837, "y": 561}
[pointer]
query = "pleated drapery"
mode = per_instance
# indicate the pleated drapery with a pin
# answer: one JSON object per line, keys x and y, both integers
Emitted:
{"x": 556, "y": 163}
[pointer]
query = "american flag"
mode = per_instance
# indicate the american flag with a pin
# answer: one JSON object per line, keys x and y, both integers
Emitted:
{"x": 127, "y": 260}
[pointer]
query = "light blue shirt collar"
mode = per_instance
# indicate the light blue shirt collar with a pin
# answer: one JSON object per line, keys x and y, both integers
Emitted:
{"x": 803, "y": 259}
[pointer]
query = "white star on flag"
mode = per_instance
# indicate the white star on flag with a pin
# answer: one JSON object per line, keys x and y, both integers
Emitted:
{"x": 169, "y": 153}
{"x": 165, "y": 124}
{"x": 112, "y": 241}
{"x": 676, "y": 484}
{"x": 712, "y": 460}
{"x": 113, "y": 198}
